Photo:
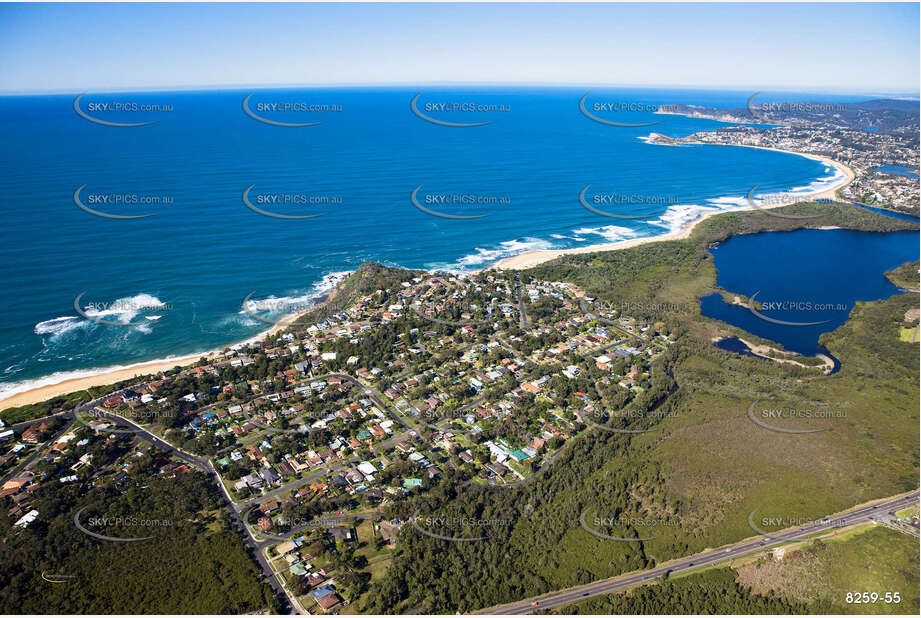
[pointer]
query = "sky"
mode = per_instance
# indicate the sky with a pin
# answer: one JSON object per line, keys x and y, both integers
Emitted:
{"x": 844, "y": 48}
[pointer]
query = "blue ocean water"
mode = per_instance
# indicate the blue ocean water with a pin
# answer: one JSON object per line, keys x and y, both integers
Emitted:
{"x": 805, "y": 276}
{"x": 174, "y": 283}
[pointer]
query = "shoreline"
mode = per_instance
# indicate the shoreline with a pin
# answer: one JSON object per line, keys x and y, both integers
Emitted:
{"x": 109, "y": 375}
{"x": 104, "y": 376}
{"x": 532, "y": 258}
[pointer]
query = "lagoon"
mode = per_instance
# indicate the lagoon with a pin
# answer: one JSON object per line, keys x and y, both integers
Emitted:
{"x": 807, "y": 281}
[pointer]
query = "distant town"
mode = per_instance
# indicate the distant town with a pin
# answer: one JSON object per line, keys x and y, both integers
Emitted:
{"x": 878, "y": 140}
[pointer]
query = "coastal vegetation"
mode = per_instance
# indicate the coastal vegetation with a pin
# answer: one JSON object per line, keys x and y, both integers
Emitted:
{"x": 906, "y": 275}
{"x": 693, "y": 447}
{"x": 710, "y": 592}
{"x": 813, "y": 577}
{"x": 194, "y": 564}
{"x": 701, "y": 448}
{"x": 821, "y": 573}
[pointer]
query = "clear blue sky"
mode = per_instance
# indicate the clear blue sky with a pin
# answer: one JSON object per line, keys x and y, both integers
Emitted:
{"x": 838, "y": 47}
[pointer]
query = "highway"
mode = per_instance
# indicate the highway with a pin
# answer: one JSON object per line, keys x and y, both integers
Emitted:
{"x": 616, "y": 584}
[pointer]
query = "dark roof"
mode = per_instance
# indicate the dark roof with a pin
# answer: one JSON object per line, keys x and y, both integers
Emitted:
{"x": 340, "y": 533}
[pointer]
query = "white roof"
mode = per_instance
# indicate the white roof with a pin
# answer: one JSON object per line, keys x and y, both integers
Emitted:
{"x": 367, "y": 468}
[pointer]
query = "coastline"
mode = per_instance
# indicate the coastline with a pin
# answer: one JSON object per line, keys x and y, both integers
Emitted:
{"x": 529, "y": 259}
{"x": 110, "y": 375}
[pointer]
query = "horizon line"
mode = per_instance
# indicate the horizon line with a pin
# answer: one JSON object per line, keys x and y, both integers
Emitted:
{"x": 841, "y": 91}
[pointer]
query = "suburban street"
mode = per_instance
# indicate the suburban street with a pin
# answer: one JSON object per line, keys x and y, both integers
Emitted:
{"x": 201, "y": 464}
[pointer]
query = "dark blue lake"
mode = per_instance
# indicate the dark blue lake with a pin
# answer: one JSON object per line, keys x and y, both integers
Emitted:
{"x": 898, "y": 170}
{"x": 807, "y": 281}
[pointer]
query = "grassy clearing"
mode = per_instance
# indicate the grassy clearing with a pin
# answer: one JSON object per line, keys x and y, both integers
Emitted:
{"x": 378, "y": 561}
{"x": 821, "y": 573}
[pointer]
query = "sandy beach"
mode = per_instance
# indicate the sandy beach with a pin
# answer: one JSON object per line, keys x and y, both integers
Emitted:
{"x": 529, "y": 259}
{"x": 104, "y": 377}
{"x": 518, "y": 262}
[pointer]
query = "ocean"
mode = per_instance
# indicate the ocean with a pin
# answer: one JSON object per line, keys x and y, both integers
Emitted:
{"x": 87, "y": 291}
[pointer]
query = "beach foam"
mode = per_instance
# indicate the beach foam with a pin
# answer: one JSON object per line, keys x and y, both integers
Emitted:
{"x": 59, "y": 326}
{"x": 611, "y": 233}
{"x": 505, "y": 249}
{"x": 8, "y": 389}
{"x": 278, "y": 305}
{"x": 125, "y": 309}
